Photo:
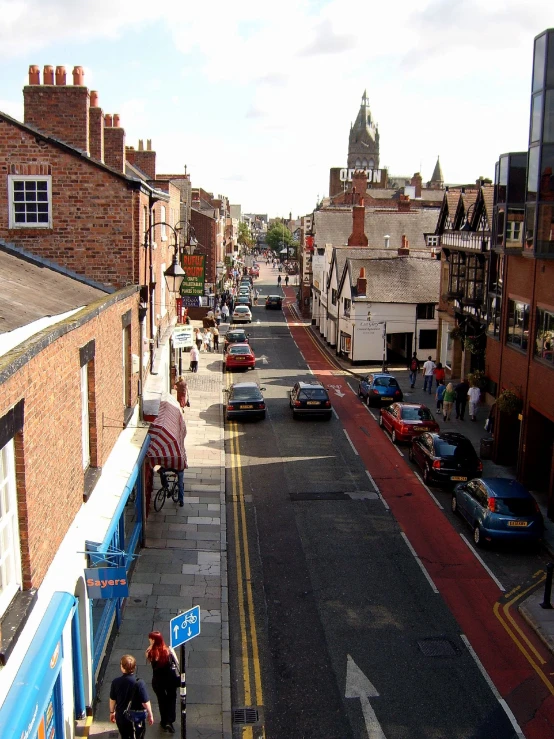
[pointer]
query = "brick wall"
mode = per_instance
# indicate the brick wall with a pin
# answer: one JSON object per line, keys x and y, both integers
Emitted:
{"x": 50, "y": 474}
{"x": 95, "y": 231}
{"x": 60, "y": 111}
{"x": 205, "y": 229}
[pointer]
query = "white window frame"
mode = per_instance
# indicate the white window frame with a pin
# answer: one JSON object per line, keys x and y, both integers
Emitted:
{"x": 163, "y": 232}
{"x": 9, "y": 528}
{"x": 85, "y": 418}
{"x": 163, "y": 306}
{"x": 12, "y": 178}
{"x": 446, "y": 345}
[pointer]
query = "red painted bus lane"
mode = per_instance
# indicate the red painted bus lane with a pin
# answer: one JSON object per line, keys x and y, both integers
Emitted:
{"x": 468, "y": 590}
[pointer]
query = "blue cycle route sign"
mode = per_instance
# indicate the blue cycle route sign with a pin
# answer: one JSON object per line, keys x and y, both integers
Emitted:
{"x": 185, "y": 626}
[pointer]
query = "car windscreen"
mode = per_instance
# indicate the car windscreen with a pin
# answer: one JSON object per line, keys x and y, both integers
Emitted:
{"x": 312, "y": 393}
{"x": 239, "y": 350}
{"x": 455, "y": 450}
{"x": 385, "y": 382}
{"x": 515, "y": 506}
{"x": 416, "y": 414}
{"x": 246, "y": 393}
{"x": 236, "y": 337}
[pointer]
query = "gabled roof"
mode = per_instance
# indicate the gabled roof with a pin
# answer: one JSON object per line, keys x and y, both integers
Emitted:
{"x": 334, "y": 227}
{"x": 400, "y": 280}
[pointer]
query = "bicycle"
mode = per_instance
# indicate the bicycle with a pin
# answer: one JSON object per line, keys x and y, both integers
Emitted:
{"x": 170, "y": 490}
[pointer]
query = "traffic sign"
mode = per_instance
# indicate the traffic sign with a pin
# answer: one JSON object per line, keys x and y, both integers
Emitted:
{"x": 185, "y": 626}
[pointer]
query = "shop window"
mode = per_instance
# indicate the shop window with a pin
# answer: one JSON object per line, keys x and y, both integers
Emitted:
{"x": 517, "y": 331}
{"x": 425, "y": 311}
{"x": 10, "y": 560}
{"x": 544, "y": 340}
{"x": 345, "y": 343}
{"x": 428, "y": 339}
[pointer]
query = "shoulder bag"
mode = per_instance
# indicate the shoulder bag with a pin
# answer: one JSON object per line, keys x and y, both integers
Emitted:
{"x": 175, "y": 671}
{"x": 134, "y": 715}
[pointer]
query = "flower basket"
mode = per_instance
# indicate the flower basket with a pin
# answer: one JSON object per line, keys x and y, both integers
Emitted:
{"x": 456, "y": 333}
{"x": 478, "y": 379}
{"x": 509, "y": 403}
{"x": 474, "y": 344}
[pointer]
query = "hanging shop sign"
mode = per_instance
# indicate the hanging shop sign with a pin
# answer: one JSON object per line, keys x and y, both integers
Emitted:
{"x": 182, "y": 337}
{"x": 195, "y": 268}
{"x": 107, "y": 582}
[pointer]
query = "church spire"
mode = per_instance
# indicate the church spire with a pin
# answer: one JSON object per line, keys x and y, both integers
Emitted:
{"x": 437, "y": 179}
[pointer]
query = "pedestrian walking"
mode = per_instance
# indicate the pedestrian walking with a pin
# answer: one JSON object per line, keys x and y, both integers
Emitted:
{"x": 206, "y": 341}
{"x": 413, "y": 366}
{"x": 194, "y": 357}
{"x": 428, "y": 374}
{"x": 129, "y": 689}
{"x": 182, "y": 392}
{"x": 440, "y": 374}
{"x": 256, "y": 297}
{"x": 218, "y": 316}
{"x": 198, "y": 338}
{"x": 215, "y": 337}
{"x": 287, "y": 280}
{"x": 279, "y": 280}
{"x": 225, "y": 313}
{"x": 473, "y": 394}
{"x": 448, "y": 401}
{"x": 164, "y": 680}
{"x": 462, "y": 389}
{"x": 439, "y": 395}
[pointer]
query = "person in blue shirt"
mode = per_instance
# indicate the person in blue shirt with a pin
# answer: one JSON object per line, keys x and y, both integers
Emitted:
{"x": 128, "y": 688}
{"x": 439, "y": 395}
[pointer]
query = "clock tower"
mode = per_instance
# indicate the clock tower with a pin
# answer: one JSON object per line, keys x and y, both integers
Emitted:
{"x": 363, "y": 142}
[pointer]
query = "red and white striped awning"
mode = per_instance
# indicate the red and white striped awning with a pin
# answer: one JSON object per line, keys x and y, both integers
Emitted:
{"x": 167, "y": 437}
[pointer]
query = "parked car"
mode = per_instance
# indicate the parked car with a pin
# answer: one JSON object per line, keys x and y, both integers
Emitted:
{"x": 254, "y": 272}
{"x": 498, "y": 509}
{"x": 245, "y": 399}
{"x": 239, "y": 356}
{"x": 380, "y": 388}
{"x": 445, "y": 457}
{"x": 310, "y": 399}
{"x": 242, "y": 313}
{"x": 244, "y": 299}
{"x": 235, "y": 336}
{"x": 274, "y": 301}
{"x": 405, "y": 420}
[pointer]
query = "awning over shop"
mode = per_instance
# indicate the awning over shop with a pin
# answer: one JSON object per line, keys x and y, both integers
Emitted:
{"x": 167, "y": 436}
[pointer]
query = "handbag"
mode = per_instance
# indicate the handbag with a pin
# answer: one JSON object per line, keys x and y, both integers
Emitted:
{"x": 175, "y": 671}
{"x": 136, "y": 716}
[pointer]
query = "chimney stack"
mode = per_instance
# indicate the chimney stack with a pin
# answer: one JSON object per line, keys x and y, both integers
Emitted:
{"x": 58, "y": 110}
{"x": 361, "y": 284}
{"x": 144, "y": 159}
{"x": 416, "y": 182}
{"x": 404, "y": 203}
{"x": 405, "y": 248}
{"x": 358, "y": 237}
{"x": 96, "y": 128}
{"x": 114, "y": 143}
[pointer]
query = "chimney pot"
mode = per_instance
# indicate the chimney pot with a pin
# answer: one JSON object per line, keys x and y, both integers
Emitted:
{"x": 34, "y": 74}
{"x": 148, "y": 144}
{"x": 108, "y": 122}
{"x": 93, "y": 99}
{"x": 48, "y": 75}
{"x": 116, "y": 120}
{"x": 141, "y": 145}
{"x": 78, "y": 76}
{"x": 60, "y": 76}
{"x": 403, "y": 241}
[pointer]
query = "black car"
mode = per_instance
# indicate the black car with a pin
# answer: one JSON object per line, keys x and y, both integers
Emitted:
{"x": 245, "y": 399}
{"x": 234, "y": 336}
{"x": 310, "y": 399}
{"x": 445, "y": 458}
{"x": 274, "y": 301}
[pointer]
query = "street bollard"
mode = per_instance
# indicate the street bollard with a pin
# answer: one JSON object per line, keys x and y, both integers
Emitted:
{"x": 548, "y": 586}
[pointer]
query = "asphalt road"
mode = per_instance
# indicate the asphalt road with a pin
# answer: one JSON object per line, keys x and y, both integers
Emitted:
{"x": 338, "y": 596}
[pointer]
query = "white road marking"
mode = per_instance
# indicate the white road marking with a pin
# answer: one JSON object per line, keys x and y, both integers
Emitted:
{"x": 492, "y": 686}
{"x": 371, "y": 413}
{"x": 358, "y": 686}
{"x": 303, "y": 359}
{"x": 337, "y": 390}
{"x": 351, "y": 388}
{"x": 430, "y": 493}
{"x": 394, "y": 445}
{"x": 310, "y": 372}
{"x": 350, "y": 442}
{"x": 490, "y": 572}
{"x": 420, "y": 563}
{"x": 335, "y": 414}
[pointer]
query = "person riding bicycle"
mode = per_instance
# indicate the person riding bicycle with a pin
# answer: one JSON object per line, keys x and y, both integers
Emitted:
{"x": 180, "y": 481}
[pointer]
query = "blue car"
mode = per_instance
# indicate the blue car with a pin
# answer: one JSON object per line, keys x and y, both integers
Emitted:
{"x": 498, "y": 509}
{"x": 379, "y": 389}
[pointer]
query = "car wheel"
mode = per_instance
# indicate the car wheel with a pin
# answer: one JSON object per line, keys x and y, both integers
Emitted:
{"x": 411, "y": 454}
{"x": 360, "y": 392}
{"x": 328, "y": 416}
{"x": 393, "y": 436}
{"x": 426, "y": 474}
{"x": 478, "y": 536}
{"x": 367, "y": 401}
{"x": 454, "y": 505}
{"x": 381, "y": 424}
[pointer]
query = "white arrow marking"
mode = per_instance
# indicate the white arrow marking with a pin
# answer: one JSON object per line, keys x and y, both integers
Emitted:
{"x": 358, "y": 686}
{"x": 175, "y": 632}
{"x": 263, "y": 358}
{"x": 189, "y": 632}
{"x": 337, "y": 390}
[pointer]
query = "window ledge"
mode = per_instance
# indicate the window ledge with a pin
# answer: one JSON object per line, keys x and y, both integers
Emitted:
{"x": 127, "y": 415}
{"x": 13, "y": 621}
{"x": 92, "y": 475}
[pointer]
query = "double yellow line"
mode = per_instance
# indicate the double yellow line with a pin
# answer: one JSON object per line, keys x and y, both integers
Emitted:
{"x": 253, "y": 694}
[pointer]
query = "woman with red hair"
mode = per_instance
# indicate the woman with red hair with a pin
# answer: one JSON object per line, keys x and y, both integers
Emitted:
{"x": 164, "y": 684}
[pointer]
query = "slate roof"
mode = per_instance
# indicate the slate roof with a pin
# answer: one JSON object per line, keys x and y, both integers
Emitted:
{"x": 334, "y": 227}
{"x": 30, "y": 291}
{"x": 401, "y": 280}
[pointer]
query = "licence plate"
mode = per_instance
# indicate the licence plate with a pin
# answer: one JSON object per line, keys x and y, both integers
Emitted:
{"x": 459, "y": 479}
{"x": 521, "y": 524}
{"x": 239, "y": 359}
{"x": 386, "y": 397}
{"x": 245, "y": 407}
{"x": 313, "y": 402}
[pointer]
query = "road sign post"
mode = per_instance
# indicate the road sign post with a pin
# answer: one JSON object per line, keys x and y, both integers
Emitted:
{"x": 182, "y": 629}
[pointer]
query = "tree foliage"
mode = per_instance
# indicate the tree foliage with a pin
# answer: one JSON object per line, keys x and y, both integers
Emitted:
{"x": 278, "y": 237}
{"x": 245, "y": 237}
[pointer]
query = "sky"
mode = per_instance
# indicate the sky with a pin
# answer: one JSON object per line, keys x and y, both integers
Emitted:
{"x": 256, "y": 98}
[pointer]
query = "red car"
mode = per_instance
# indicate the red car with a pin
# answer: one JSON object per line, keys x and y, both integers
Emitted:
{"x": 239, "y": 356}
{"x": 254, "y": 272}
{"x": 405, "y": 420}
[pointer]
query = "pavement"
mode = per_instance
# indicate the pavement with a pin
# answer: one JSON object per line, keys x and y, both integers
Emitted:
{"x": 184, "y": 562}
